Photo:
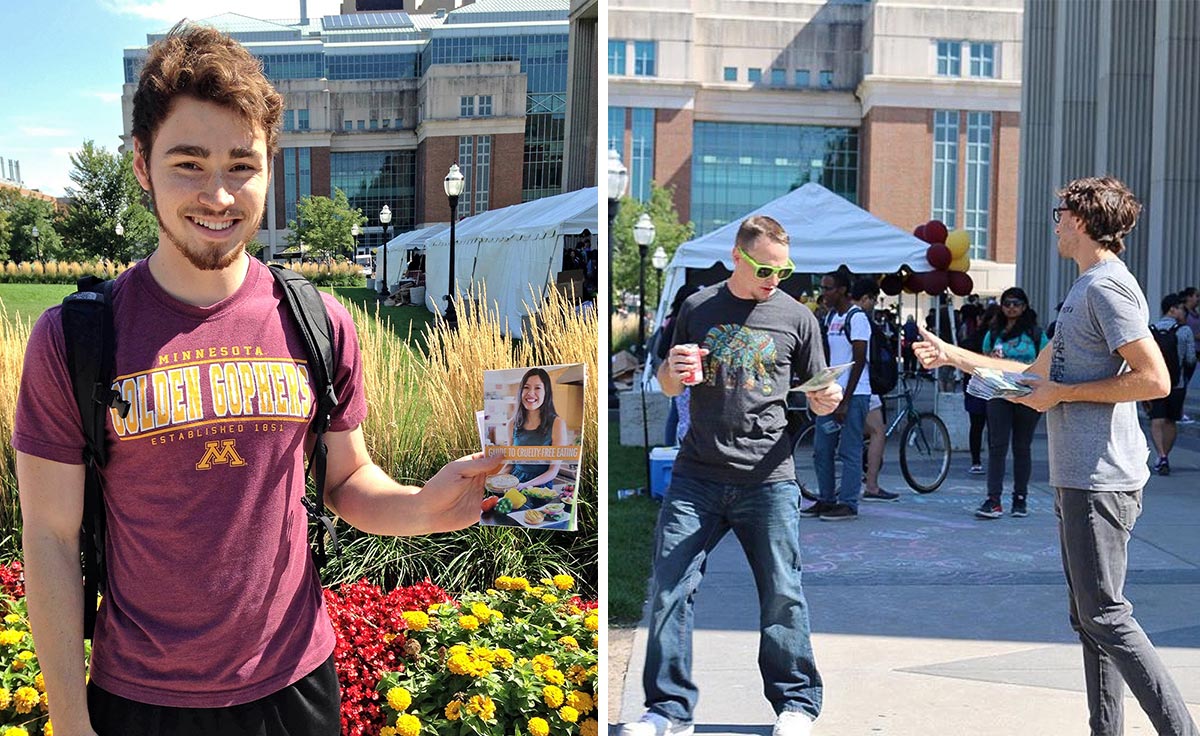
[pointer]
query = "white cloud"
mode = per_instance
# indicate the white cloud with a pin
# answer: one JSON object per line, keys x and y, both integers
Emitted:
{"x": 34, "y": 131}
{"x": 106, "y": 97}
{"x": 170, "y": 11}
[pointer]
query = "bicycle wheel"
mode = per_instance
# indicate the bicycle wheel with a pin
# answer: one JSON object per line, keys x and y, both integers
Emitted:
{"x": 802, "y": 456}
{"x": 925, "y": 453}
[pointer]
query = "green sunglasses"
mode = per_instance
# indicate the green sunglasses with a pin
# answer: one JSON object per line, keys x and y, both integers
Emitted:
{"x": 763, "y": 271}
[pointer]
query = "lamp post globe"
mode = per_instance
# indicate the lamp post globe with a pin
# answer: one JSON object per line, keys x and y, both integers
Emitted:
{"x": 37, "y": 242}
{"x": 385, "y": 217}
{"x": 453, "y": 185}
{"x": 618, "y": 182}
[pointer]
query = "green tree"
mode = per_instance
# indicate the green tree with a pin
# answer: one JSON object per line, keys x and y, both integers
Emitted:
{"x": 669, "y": 232}
{"x": 324, "y": 225}
{"x": 20, "y": 215}
{"x": 106, "y": 192}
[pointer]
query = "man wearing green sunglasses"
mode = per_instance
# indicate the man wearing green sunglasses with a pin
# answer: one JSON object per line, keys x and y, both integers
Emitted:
{"x": 735, "y": 471}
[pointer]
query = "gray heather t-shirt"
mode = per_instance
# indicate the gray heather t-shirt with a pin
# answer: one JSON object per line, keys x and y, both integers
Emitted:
{"x": 1098, "y": 447}
{"x": 737, "y": 434}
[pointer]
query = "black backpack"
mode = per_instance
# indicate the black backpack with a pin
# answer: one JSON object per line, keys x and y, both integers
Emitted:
{"x": 883, "y": 373}
{"x": 1168, "y": 343}
{"x": 91, "y": 344}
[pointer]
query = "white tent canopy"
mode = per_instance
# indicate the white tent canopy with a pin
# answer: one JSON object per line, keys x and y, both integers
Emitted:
{"x": 827, "y": 231}
{"x": 398, "y": 247}
{"x": 508, "y": 251}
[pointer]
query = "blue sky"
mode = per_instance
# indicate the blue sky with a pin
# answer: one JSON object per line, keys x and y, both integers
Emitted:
{"x": 63, "y": 72}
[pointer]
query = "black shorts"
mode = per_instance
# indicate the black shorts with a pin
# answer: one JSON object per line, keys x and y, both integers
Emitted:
{"x": 309, "y": 707}
{"x": 1170, "y": 407}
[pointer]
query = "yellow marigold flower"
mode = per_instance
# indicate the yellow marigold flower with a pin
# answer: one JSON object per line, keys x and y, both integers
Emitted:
{"x": 470, "y": 623}
{"x": 48, "y": 729}
{"x": 25, "y": 699}
{"x": 433, "y": 607}
{"x": 576, "y": 674}
{"x": 564, "y": 582}
{"x": 580, "y": 701}
{"x": 40, "y": 682}
{"x": 459, "y": 664}
{"x": 482, "y": 705}
{"x": 568, "y": 714}
{"x": 554, "y": 676}
{"x": 595, "y": 641}
{"x": 408, "y": 725}
{"x": 387, "y": 731}
{"x": 457, "y": 649}
{"x": 542, "y": 662}
{"x": 538, "y": 727}
{"x": 12, "y": 618}
{"x": 480, "y": 668}
{"x": 589, "y": 728}
{"x": 574, "y": 610}
{"x": 483, "y": 653}
{"x": 592, "y": 622}
{"x": 503, "y": 582}
{"x": 481, "y": 611}
{"x": 520, "y": 584}
{"x": 15, "y": 731}
{"x": 25, "y": 655}
{"x": 454, "y": 710}
{"x": 399, "y": 699}
{"x": 18, "y": 665}
{"x": 569, "y": 642}
{"x": 490, "y": 591}
{"x": 9, "y": 637}
{"x": 498, "y": 615}
{"x": 5, "y": 698}
{"x": 415, "y": 620}
{"x": 43, "y": 702}
{"x": 503, "y": 658}
{"x": 552, "y": 696}
{"x": 549, "y": 599}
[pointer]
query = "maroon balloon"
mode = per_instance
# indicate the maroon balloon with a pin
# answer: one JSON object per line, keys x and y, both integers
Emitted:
{"x": 914, "y": 283}
{"x": 935, "y": 282}
{"x": 892, "y": 284}
{"x": 961, "y": 284}
{"x": 939, "y": 256}
{"x": 919, "y": 231}
{"x": 935, "y": 232}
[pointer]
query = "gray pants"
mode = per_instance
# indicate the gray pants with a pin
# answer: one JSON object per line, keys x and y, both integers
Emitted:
{"x": 1094, "y": 531}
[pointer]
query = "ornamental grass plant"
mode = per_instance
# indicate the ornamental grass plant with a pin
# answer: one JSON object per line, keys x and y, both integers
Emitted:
{"x": 14, "y": 334}
{"x": 334, "y": 273}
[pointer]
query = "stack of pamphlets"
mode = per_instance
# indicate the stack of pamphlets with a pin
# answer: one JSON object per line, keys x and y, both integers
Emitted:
{"x": 989, "y": 383}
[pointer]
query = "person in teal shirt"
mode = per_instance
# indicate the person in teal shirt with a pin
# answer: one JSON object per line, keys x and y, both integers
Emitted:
{"x": 1013, "y": 334}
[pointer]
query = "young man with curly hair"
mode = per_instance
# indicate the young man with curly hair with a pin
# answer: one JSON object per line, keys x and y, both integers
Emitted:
{"x": 214, "y": 620}
{"x": 1100, "y": 363}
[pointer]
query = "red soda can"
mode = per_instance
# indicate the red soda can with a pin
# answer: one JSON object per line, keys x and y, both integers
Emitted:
{"x": 697, "y": 375}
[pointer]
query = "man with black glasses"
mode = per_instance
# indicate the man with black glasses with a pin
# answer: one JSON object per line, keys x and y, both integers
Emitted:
{"x": 737, "y": 344}
{"x": 1101, "y": 361}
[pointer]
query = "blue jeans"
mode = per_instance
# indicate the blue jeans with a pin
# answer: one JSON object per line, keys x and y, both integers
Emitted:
{"x": 695, "y": 515}
{"x": 1094, "y": 529}
{"x": 848, "y": 444}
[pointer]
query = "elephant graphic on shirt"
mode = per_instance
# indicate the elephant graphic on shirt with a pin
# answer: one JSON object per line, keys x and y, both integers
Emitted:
{"x": 740, "y": 355}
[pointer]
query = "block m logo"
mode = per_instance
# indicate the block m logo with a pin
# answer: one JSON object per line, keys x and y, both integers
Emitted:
{"x": 221, "y": 453}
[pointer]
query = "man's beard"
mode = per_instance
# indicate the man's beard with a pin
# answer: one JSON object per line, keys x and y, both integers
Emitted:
{"x": 205, "y": 258}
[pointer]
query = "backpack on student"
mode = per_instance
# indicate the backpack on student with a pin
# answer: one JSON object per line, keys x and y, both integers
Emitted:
{"x": 91, "y": 345}
{"x": 882, "y": 371}
{"x": 1168, "y": 343}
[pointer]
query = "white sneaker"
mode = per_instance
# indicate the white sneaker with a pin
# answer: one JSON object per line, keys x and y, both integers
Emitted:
{"x": 793, "y": 723}
{"x": 652, "y": 724}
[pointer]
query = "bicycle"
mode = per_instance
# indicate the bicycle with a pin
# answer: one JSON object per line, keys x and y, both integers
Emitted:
{"x": 924, "y": 442}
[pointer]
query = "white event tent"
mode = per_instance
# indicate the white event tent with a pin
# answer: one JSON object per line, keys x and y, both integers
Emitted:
{"x": 826, "y": 231}
{"x": 398, "y": 247}
{"x": 511, "y": 252}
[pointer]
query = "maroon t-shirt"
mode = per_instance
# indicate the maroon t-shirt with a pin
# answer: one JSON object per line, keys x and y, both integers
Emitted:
{"x": 213, "y": 599}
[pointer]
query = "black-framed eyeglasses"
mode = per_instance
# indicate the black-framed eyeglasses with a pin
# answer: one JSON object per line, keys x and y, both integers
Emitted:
{"x": 1013, "y": 303}
{"x": 1056, "y": 213}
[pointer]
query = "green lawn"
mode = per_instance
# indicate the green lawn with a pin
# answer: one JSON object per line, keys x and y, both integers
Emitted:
{"x": 30, "y": 300}
{"x": 630, "y": 532}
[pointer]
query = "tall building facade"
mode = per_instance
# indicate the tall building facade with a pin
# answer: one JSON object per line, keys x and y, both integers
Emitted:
{"x": 380, "y": 105}
{"x": 10, "y": 172}
{"x": 1112, "y": 90}
{"x": 909, "y": 110}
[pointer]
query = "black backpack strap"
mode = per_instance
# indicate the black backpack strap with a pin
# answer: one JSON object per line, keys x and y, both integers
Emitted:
{"x": 91, "y": 344}
{"x": 308, "y": 311}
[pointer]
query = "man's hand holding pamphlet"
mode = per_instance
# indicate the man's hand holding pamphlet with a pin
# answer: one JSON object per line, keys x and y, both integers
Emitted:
{"x": 989, "y": 383}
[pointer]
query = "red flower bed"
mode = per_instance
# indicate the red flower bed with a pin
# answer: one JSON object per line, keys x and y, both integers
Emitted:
{"x": 370, "y": 642}
{"x": 12, "y": 579}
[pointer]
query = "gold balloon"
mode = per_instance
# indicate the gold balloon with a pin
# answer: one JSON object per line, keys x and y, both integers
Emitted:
{"x": 961, "y": 263}
{"x": 958, "y": 242}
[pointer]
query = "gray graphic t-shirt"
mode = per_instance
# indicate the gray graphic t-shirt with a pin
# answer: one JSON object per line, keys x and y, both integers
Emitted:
{"x": 1098, "y": 447}
{"x": 737, "y": 434}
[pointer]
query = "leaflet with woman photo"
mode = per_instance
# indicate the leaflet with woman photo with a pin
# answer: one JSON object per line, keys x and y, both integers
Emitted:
{"x": 534, "y": 418}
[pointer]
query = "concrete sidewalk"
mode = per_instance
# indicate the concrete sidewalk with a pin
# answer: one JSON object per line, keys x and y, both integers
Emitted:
{"x": 927, "y": 621}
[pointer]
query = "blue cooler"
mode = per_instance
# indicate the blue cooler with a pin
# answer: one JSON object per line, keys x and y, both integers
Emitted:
{"x": 662, "y": 459}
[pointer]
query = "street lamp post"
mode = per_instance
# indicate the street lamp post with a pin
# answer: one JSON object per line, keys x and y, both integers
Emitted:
{"x": 385, "y": 217}
{"x": 453, "y": 184}
{"x": 119, "y": 229}
{"x": 659, "y": 260}
{"x": 354, "y": 233}
{"x": 618, "y": 181}
{"x": 37, "y": 243}
{"x": 643, "y": 233}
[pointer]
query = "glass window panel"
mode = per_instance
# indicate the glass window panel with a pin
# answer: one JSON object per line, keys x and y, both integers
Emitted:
{"x": 778, "y": 77}
{"x": 372, "y": 179}
{"x": 949, "y": 58}
{"x": 983, "y": 57}
{"x": 643, "y": 58}
{"x": 731, "y": 74}
{"x": 616, "y": 57}
{"x": 826, "y": 79}
{"x": 977, "y": 197}
{"x": 944, "y": 196}
{"x": 616, "y": 130}
{"x": 754, "y": 75}
{"x": 803, "y": 78}
{"x": 641, "y": 172}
